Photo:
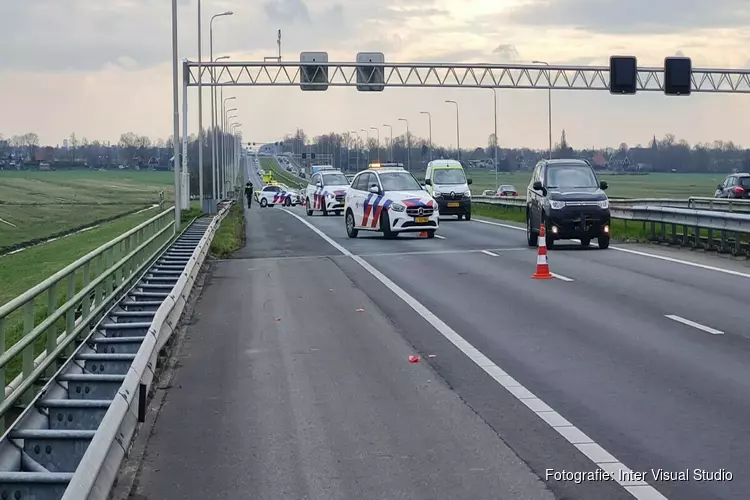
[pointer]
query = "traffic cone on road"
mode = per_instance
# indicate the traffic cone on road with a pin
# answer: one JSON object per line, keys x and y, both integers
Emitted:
{"x": 423, "y": 234}
{"x": 542, "y": 267}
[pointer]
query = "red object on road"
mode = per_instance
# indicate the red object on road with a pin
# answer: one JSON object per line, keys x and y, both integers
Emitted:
{"x": 413, "y": 359}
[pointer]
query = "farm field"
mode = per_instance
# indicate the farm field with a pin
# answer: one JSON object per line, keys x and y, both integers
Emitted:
{"x": 661, "y": 185}
{"x": 45, "y": 204}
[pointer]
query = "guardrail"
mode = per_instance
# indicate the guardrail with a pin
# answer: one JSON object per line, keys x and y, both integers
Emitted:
{"x": 75, "y": 297}
{"x": 670, "y": 214}
{"x": 69, "y": 440}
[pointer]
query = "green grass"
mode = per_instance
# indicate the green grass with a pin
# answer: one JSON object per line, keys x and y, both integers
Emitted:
{"x": 281, "y": 175}
{"x": 22, "y": 271}
{"x": 230, "y": 236}
{"x": 621, "y": 230}
{"x": 46, "y": 204}
{"x": 658, "y": 185}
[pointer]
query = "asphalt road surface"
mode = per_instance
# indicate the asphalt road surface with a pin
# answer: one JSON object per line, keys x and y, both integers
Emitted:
{"x": 295, "y": 382}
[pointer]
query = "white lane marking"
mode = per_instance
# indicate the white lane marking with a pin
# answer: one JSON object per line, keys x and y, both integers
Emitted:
{"x": 439, "y": 252}
{"x": 491, "y": 254}
{"x": 687, "y": 322}
{"x": 561, "y": 277}
{"x": 440, "y": 237}
{"x": 639, "y": 489}
{"x": 643, "y": 254}
{"x": 9, "y": 223}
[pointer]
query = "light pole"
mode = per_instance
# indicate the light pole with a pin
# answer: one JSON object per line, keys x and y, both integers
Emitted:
{"x": 549, "y": 103}
{"x": 200, "y": 106}
{"x": 228, "y": 142}
{"x": 221, "y": 89}
{"x": 176, "y": 120}
{"x": 408, "y": 144}
{"x": 458, "y": 132}
{"x": 494, "y": 96}
{"x": 367, "y": 135}
{"x": 378, "y": 131}
{"x": 232, "y": 168}
{"x": 214, "y": 111}
{"x": 429, "y": 123}
{"x": 225, "y": 120}
{"x": 391, "y": 129}
{"x": 355, "y": 133}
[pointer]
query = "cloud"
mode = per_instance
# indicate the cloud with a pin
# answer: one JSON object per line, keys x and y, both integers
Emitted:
{"x": 633, "y": 16}
{"x": 290, "y": 11}
{"x": 506, "y": 52}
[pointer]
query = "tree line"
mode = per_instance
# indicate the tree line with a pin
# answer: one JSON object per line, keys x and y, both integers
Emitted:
{"x": 658, "y": 155}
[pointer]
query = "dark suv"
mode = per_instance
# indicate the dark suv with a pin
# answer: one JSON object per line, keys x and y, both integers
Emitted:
{"x": 568, "y": 198}
{"x": 734, "y": 186}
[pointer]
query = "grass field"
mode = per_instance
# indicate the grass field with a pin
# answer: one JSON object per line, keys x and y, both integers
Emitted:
{"x": 45, "y": 204}
{"x": 620, "y": 186}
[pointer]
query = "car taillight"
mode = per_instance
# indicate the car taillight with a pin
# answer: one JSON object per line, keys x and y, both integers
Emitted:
{"x": 739, "y": 190}
{"x": 515, "y": 194}
{"x": 502, "y": 194}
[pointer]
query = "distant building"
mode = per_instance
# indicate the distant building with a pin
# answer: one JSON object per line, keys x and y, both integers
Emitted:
{"x": 599, "y": 160}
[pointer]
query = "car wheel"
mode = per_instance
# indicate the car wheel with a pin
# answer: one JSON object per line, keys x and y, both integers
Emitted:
{"x": 548, "y": 240}
{"x": 308, "y": 210}
{"x": 585, "y": 242}
{"x": 385, "y": 226}
{"x": 351, "y": 231}
{"x": 263, "y": 202}
{"x": 288, "y": 203}
{"x": 603, "y": 241}
{"x": 531, "y": 238}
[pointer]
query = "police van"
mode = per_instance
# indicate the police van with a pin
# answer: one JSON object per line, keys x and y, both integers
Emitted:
{"x": 325, "y": 191}
{"x": 389, "y": 200}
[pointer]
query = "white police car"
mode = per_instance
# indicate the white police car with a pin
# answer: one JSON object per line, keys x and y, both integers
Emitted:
{"x": 391, "y": 201}
{"x": 274, "y": 194}
{"x": 325, "y": 191}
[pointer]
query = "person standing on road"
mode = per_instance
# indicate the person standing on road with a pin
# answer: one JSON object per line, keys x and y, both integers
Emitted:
{"x": 249, "y": 193}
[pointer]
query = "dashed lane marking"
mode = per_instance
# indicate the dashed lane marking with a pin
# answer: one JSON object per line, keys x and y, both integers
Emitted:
{"x": 640, "y": 490}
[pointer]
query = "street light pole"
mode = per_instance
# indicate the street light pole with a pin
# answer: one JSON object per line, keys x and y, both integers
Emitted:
{"x": 429, "y": 123}
{"x": 176, "y": 120}
{"x": 408, "y": 143}
{"x": 458, "y": 132}
{"x": 221, "y": 96}
{"x": 367, "y": 132}
{"x": 494, "y": 97}
{"x": 213, "y": 101}
{"x": 355, "y": 133}
{"x": 378, "y": 131}
{"x": 224, "y": 153}
{"x": 549, "y": 103}
{"x": 391, "y": 129}
{"x": 200, "y": 107}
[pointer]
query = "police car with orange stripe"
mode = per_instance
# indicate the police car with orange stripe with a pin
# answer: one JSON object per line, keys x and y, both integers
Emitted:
{"x": 326, "y": 190}
{"x": 389, "y": 200}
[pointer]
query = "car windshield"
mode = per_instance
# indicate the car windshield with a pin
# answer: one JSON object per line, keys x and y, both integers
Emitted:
{"x": 334, "y": 180}
{"x": 399, "y": 181}
{"x": 507, "y": 188}
{"x": 449, "y": 176}
{"x": 570, "y": 176}
{"x": 745, "y": 182}
{"x": 273, "y": 188}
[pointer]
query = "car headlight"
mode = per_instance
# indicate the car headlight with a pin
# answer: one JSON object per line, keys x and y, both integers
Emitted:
{"x": 397, "y": 207}
{"x": 467, "y": 194}
{"x": 604, "y": 204}
{"x": 556, "y": 205}
{"x": 437, "y": 195}
{"x": 330, "y": 196}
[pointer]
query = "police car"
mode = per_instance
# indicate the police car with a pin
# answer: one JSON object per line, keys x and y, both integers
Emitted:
{"x": 389, "y": 200}
{"x": 325, "y": 191}
{"x": 274, "y": 194}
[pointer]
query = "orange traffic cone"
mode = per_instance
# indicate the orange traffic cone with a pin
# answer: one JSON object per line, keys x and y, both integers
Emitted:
{"x": 542, "y": 267}
{"x": 423, "y": 234}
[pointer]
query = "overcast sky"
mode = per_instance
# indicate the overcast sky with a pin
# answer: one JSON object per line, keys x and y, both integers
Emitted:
{"x": 103, "y": 68}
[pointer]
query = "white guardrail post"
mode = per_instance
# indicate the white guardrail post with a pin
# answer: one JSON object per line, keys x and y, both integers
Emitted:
{"x": 98, "y": 469}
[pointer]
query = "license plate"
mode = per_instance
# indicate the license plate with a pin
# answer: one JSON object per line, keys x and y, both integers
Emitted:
{"x": 422, "y": 220}
{"x": 454, "y": 204}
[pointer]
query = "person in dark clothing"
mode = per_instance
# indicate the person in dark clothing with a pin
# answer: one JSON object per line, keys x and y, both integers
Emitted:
{"x": 249, "y": 194}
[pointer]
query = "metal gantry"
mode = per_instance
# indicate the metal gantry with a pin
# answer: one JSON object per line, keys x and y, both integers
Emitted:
{"x": 449, "y": 75}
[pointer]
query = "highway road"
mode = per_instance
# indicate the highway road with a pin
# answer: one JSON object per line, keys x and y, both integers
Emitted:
{"x": 294, "y": 381}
